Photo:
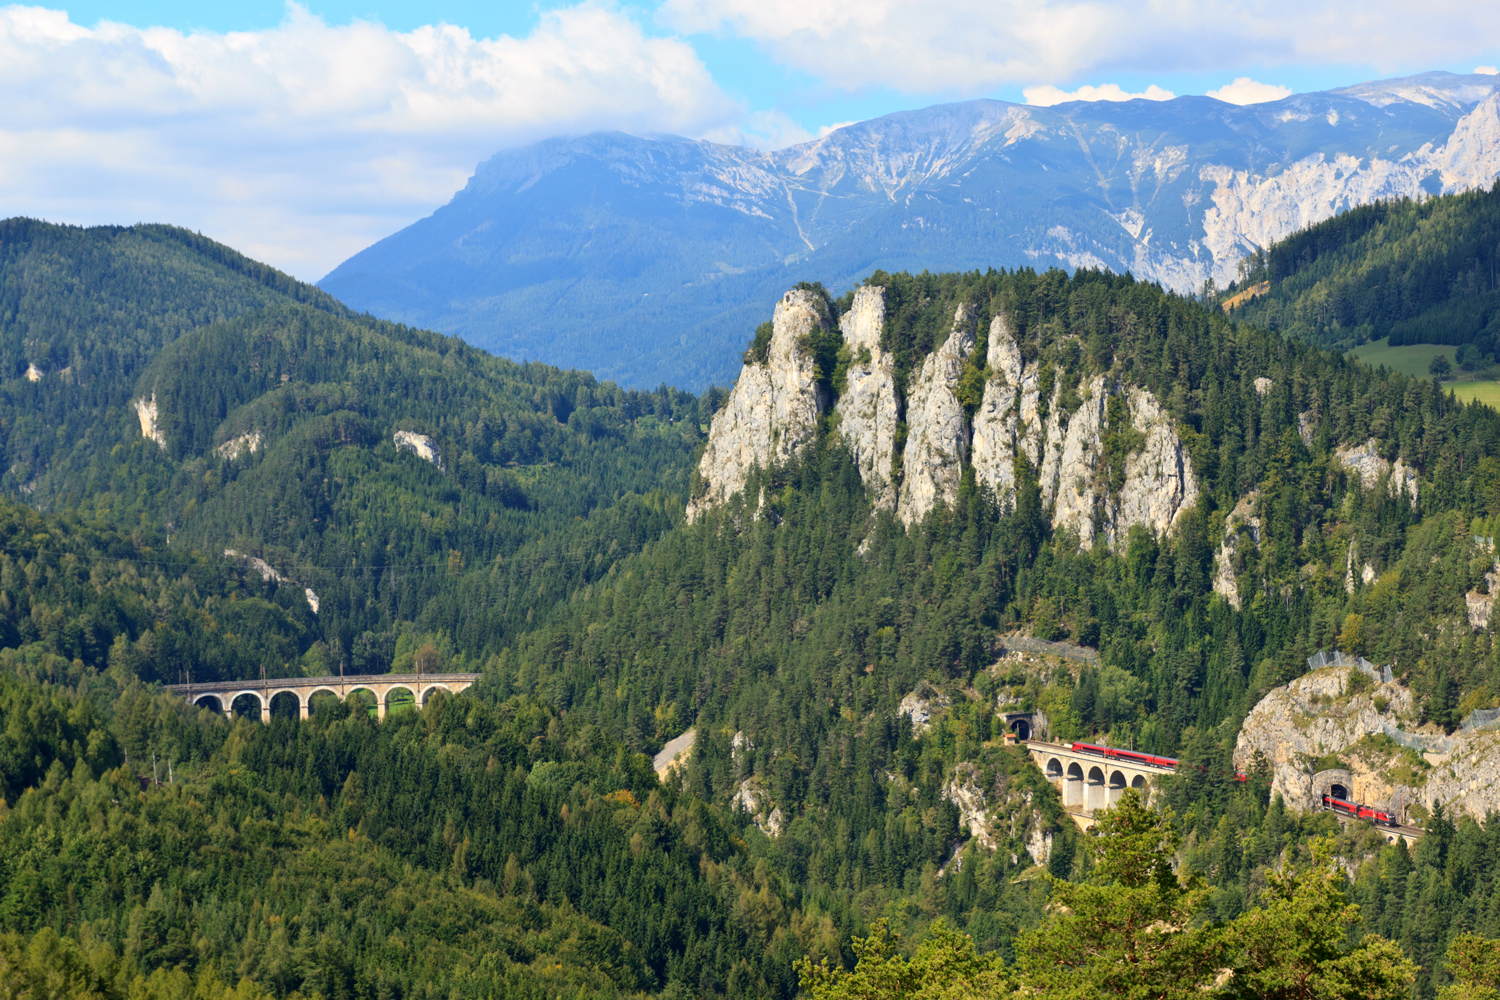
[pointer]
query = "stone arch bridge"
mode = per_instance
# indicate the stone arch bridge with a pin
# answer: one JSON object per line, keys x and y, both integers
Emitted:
{"x": 224, "y": 694}
{"x": 1090, "y": 782}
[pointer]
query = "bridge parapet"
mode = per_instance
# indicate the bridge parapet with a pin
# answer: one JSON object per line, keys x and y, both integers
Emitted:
{"x": 381, "y": 686}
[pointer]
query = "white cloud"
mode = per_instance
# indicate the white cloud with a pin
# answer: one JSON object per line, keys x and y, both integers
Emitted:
{"x": 762, "y": 130}
{"x": 1487, "y": 70}
{"x": 974, "y": 46}
{"x": 304, "y": 143}
{"x": 1045, "y": 97}
{"x": 1247, "y": 91}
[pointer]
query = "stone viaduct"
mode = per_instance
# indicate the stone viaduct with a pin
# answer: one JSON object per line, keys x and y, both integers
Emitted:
{"x": 223, "y": 694}
{"x": 1089, "y": 782}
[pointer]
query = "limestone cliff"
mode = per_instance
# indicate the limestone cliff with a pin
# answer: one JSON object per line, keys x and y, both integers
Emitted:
{"x": 772, "y": 410}
{"x": 775, "y": 406}
{"x": 1319, "y": 730}
{"x": 146, "y": 410}
{"x": 867, "y": 409}
{"x": 937, "y": 429}
{"x": 1006, "y": 423}
{"x": 1241, "y": 527}
{"x": 1365, "y": 462}
{"x": 1158, "y": 484}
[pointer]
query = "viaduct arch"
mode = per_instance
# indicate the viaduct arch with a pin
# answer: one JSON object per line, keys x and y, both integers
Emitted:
{"x": 1089, "y": 783}
{"x": 222, "y": 695}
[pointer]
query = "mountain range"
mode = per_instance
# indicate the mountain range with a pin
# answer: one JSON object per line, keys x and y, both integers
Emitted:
{"x": 650, "y": 258}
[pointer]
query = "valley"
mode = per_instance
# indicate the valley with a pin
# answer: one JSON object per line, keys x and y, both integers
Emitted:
{"x": 743, "y": 669}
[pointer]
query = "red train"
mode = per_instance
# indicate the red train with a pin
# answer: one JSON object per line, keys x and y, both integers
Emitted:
{"x": 1132, "y": 757}
{"x": 1358, "y": 811}
{"x": 1127, "y": 755}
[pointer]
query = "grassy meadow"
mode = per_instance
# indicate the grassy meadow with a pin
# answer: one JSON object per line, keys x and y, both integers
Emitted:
{"x": 1412, "y": 359}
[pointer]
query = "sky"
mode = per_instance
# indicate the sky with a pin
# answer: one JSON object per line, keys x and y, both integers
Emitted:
{"x": 302, "y": 133}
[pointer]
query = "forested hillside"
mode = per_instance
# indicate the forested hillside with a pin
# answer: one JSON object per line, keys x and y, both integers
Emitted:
{"x": 1418, "y": 272}
{"x": 842, "y": 671}
{"x": 275, "y": 411}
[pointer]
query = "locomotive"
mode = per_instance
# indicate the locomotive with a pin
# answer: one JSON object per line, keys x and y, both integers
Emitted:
{"x": 1358, "y": 811}
{"x": 1132, "y": 757}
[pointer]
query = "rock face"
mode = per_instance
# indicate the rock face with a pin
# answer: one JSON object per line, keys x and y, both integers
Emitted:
{"x": 937, "y": 429}
{"x": 674, "y": 754}
{"x": 755, "y": 801}
{"x": 1365, "y": 462}
{"x": 146, "y": 410}
{"x": 1241, "y": 524}
{"x": 245, "y": 444}
{"x": 867, "y": 409}
{"x": 1480, "y": 605}
{"x": 1315, "y": 717}
{"x": 1006, "y": 423}
{"x": 921, "y": 705}
{"x": 1294, "y": 726}
{"x": 1159, "y": 482}
{"x": 964, "y": 792}
{"x": 420, "y": 445}
{"x": 772, "y": 410}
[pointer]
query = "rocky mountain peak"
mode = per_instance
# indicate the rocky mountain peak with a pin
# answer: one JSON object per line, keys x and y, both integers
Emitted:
{"x": 937, "y": 441}
{"x": 773, "y": 408}
{"x": 1103, "y": 467}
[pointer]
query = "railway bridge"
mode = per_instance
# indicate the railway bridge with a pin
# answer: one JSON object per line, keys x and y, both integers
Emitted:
{"x": 222, "y": 695}
{"x": 1089, "y": 782}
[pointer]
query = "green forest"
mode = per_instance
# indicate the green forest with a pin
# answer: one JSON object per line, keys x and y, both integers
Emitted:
{"x": 1418, "y": 272}
{"x": 515, "y": 840}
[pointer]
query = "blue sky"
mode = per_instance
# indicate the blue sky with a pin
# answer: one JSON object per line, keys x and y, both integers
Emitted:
{"x": 301, "y": 134}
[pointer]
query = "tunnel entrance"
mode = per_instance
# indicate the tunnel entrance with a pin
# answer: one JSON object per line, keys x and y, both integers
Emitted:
{"x": 1021, "y": 728}
{"x": 1338, "y": 791}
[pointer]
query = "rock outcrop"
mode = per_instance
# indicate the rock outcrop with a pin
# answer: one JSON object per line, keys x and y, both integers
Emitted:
{"x": 1006, "y": 423}
{"x": 755, "y": 801}
{"x": 937, "y": 429}
{"x": 1159, "y": 483}
{"x": 772, "y": 410}
{"x": 1318, "y": 719}
{"x": 867, "y": 409}
{"x": 268, "y": 572}
{"x": 775, "y": 406}
{"x": 244, "y": 444}
{"x": 921, "y": 705}
{"x": 964, "y": 792}
{"x": 145, "y": 410}
{"x": 1241, "y": 524}
{"x": 1366, "y": 462}
{"x": 1480, "y": 605}
{"x": 420, "y": 445}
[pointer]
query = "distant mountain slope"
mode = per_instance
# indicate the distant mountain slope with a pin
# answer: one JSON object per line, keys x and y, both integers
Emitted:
{"x": 648, "y": 259}
{"x": 1418, "y": 272}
